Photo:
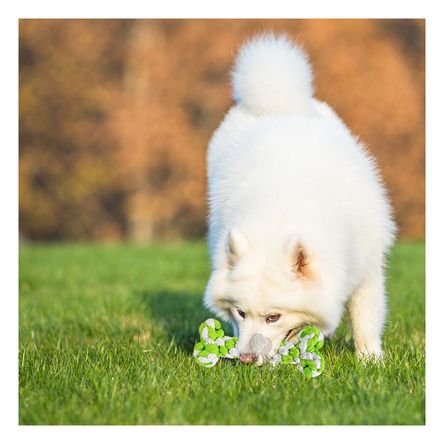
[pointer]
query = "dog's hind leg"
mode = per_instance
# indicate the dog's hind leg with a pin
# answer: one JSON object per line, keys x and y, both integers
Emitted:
{"x": 367, "y": 312}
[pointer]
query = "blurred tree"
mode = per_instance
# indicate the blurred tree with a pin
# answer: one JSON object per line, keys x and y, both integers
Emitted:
{"x": 68, "y": 72}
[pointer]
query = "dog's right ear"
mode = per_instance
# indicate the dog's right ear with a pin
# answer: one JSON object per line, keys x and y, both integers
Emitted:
{"x": 300, "y": 260}
{"x": 237, "y": 246}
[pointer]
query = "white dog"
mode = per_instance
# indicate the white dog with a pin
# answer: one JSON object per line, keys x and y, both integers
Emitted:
{"x": 299, "y": 219}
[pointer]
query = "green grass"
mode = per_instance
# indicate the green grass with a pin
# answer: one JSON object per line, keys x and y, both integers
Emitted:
{"x": 106, "y": 334}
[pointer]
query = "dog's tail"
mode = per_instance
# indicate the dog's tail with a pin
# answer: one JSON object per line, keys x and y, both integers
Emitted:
{"x": 272, "y": 75}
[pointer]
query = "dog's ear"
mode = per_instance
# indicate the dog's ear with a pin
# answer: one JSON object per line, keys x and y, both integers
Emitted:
{"x": 237, "y": 246}
{"x": 300, "y": 259}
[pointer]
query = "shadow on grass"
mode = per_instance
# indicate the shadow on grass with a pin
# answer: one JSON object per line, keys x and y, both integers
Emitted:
{"x": 177, "y": 315}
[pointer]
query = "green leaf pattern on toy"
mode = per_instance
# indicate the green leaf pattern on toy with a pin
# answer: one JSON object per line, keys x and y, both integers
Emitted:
{"x": 303, "y": 352}
{"x": 214, "y": 344}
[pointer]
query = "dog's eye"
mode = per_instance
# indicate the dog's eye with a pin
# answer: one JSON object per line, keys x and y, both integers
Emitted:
{"x": 241, "y": 313}
{"x": 272, "y": 318}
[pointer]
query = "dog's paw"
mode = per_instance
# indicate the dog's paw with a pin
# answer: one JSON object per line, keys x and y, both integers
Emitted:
{"x": 367, "y": 353}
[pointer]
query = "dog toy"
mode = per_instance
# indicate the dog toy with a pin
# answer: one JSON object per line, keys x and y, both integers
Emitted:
{"x": 302, "y": 352}
{"x": 213, "y": 344}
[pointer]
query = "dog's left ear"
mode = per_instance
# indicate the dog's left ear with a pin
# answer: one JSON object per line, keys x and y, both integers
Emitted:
{"x": 237, "y": 246}
{"x": 300, "y": 260}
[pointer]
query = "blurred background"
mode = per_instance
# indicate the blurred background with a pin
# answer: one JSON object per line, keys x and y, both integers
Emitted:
{"x": 116, "y": 115}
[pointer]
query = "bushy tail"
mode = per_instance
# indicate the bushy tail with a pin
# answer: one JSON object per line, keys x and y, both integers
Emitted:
{"x": 272, "y": 75}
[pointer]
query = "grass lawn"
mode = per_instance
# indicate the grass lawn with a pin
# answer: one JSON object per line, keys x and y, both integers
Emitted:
{"x": 106, "y": 334}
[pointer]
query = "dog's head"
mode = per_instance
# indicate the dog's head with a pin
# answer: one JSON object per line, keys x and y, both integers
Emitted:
{"x": 268, "y": 294}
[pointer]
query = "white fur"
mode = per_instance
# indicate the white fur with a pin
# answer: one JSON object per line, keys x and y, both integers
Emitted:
{"x": 261, "y": 89}
{"x": 284, "y": 172}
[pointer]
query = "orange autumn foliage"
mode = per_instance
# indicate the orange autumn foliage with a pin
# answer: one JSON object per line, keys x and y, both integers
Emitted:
{"x": 115, "y": 117}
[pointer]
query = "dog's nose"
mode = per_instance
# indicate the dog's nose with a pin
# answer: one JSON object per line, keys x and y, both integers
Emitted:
{"x": 248, "y": 358}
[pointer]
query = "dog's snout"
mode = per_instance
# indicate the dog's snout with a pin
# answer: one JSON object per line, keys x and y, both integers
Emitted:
{"x": 248, "y": 358}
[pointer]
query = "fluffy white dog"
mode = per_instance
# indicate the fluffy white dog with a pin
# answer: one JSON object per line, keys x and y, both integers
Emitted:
{"x": 299, "y": 219}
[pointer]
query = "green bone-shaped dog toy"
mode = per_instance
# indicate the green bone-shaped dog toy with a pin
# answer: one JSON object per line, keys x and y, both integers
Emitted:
{"x": 302, "y": 352}
{"x": 214, "y": 344}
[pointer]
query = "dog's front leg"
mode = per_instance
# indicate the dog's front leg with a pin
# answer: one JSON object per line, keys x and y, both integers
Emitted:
{"x": 367, "y": 313}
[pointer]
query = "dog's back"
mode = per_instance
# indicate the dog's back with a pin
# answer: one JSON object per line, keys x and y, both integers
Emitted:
{"x": 281, "y": 160}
